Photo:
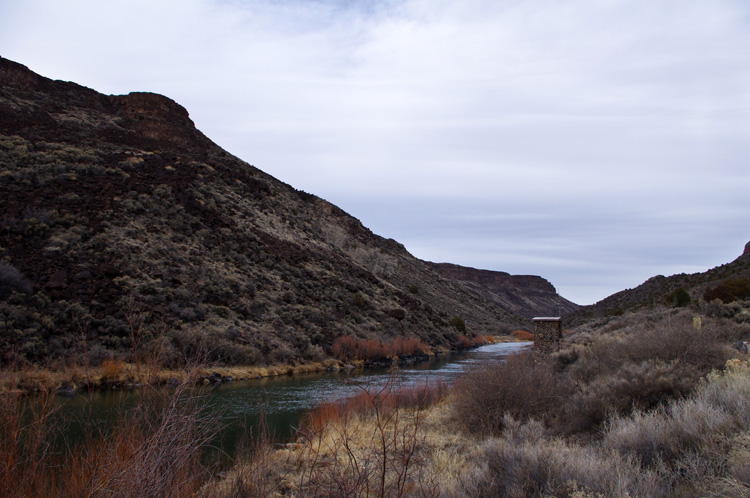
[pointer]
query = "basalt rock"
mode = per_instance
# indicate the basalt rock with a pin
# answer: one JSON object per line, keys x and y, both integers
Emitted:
{"x": 524, "y": 295}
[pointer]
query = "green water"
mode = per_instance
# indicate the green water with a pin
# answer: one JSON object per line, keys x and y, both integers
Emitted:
{"x": 277, "y": 403}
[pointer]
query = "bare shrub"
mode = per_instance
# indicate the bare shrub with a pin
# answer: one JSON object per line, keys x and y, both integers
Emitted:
{"x": 641, "y": 386}
{"x": 152, "y": 451}
{"x": 662, "y": 437}
{"x": 520, "y": 387}
{"x": 672, "y": 338}
{"x": 26, "y": 433}
{"x": 550, "y": 468}
{"x": 464, "y": 342}
{"x": 655, "y": 358}
{"x": 675, "y": 338}
{"x": 737, "y": 329}
{"x": 523, "y": 335}
{"x": 688, "y": 441}
{"x": 730, "y": 390}
{"x": 349, "y": 348}
{"x": 369, "y": 447}
{"x": 717, "y": 309}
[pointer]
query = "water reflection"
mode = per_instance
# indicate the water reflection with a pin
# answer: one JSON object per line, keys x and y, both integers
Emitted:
{"x": 283, "y": 400}
{"x": 283, "y": 394}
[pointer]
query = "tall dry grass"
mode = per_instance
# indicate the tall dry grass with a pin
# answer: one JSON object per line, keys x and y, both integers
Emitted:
{"x": 386, "y": 399}
{"x": 524, "y": 463}
{"x": 372, "y": 445}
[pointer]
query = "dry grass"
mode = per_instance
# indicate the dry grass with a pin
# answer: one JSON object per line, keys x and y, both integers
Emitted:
{"x": 654, "y": 434}
{"x": 116, "y": 373}
{"x": 386, "y": 400}
{"x": 372, "y": 445}
{"x": 526, "y": 464}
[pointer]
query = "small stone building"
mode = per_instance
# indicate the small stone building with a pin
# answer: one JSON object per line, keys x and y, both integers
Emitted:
{"x": 547, "y": 334}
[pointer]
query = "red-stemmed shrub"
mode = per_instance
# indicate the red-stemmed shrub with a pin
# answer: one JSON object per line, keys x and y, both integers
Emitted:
{"x": 464, "y": 342}
{"x": 523, "y": 335}
{"x": 349, "y": 348}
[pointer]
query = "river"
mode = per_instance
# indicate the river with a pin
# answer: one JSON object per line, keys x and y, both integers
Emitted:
{"x": 281, "y": 401}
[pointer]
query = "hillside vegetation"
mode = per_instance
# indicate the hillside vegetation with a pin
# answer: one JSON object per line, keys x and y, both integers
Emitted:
{"x": 127, "y": 234}
{"x": 725, "y": 283}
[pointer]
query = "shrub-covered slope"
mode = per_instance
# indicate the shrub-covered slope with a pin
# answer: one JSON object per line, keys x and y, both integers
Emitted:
{"x": 122, "y": 225}
{"x": 728, "y": 282}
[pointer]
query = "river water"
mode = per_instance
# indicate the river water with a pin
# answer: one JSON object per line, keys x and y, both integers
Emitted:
{"x": 281, "y": 401}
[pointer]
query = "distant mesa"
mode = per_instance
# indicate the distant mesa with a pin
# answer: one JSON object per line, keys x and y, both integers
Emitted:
{"x": 525, "y": 295}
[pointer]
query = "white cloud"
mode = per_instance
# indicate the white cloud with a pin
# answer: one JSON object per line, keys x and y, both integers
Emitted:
{"x": 557, "y": 133}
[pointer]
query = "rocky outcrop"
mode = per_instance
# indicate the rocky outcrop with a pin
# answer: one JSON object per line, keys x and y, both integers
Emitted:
{"x": 489, "y": 278}
{"x": 156, "y": 117}
{"x": 525, "y": 295}
{"x": 139, "y": 118}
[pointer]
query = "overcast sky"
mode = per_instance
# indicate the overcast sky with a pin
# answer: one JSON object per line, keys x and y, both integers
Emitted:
{"x": 596, "y": 143}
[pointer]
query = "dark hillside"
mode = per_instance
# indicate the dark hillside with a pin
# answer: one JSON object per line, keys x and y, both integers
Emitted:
{"x": 123, "y": 226}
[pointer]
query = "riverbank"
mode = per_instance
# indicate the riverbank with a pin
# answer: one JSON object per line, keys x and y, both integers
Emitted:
{"x": 694, "y": 446}
{"x": 122, "y": 375}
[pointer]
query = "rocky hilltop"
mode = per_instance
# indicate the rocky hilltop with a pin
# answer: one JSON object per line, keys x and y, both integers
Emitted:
{"x": 125, "y": 229}
{"x": 524, "y": 295}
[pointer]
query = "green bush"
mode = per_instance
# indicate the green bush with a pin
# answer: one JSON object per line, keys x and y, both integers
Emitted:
{"x": 729, "y": 290}
{"x": 458, "y": 323}
{"x": 679, "y": 298}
